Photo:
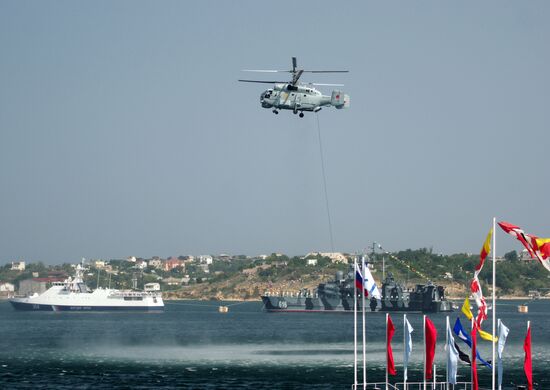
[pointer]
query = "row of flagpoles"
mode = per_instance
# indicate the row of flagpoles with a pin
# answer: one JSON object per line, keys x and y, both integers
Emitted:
{"x": 453, "y": 352}
{"x": 538, "y": 248}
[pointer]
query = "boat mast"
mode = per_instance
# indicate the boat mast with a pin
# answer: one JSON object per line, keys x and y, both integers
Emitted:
{"x": 383, "y": 260}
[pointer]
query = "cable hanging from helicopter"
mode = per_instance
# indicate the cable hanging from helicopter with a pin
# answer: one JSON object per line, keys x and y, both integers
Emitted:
{"x": 296, "y": 96}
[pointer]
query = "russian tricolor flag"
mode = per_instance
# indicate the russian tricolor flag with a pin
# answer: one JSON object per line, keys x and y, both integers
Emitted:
{"x": 369, "y": 285}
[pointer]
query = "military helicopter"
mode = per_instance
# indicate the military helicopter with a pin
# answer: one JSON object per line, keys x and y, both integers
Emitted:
{"x": 298, "y": 97}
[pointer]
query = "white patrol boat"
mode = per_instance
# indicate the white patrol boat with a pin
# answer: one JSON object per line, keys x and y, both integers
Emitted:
{"x": 74, "y": 295}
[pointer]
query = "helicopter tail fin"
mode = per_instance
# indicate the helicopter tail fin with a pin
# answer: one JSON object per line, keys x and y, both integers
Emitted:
{"x": 339, "y": 100}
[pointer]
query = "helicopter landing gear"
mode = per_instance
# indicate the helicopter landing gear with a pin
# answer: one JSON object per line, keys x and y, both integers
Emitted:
{"x": 275, "y": 112}
{"x": 301, "y": 115}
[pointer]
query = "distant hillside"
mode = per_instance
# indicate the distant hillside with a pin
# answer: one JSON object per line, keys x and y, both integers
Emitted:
{"x": 242, "y": 277}
{"x": 514, "y": 277}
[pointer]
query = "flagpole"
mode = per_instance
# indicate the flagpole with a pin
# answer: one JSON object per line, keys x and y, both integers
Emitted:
{"x": 354, "y": 323}
{"x": 530, "y": 368}
{"x": 364, "y": 334}
{"x": 494, "y": 303}
{"x": 387, "y": 314}
{"x": 473, "y": 358}
{"x": 424, "y": 331}
{"x": 404, "y": 351}
{"x": 434, "y": 375}
{"x": 448, "y": 348}
{"x": 499, "y": 385}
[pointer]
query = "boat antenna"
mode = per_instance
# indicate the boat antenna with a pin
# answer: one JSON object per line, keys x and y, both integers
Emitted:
{"x": 373, "y": 252}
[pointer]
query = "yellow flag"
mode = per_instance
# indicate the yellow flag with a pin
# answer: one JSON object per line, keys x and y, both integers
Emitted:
{"x": 466, "y": 309}
{"x": 468, "y": 313}
{"x": 485, "y": 249}
{"x": 542, "y": 241}
{"x": 487, "y": 336}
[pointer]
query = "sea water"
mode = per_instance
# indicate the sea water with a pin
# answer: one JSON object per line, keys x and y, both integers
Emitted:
{"x": 192, "y": 345}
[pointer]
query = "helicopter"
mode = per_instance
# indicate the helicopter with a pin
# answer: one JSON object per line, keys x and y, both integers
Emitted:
{"x": 297, "y": 96}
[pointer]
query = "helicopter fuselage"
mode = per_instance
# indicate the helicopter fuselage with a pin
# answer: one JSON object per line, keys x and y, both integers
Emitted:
{"x": 299, "y": 98}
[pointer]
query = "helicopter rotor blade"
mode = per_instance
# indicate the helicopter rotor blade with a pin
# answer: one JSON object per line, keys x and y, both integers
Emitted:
{"x": 266, "y": 71}
{"x": 327, "y": 85}
{"x": 326, "y": 71}
{"x": 296, "y": 76}
{"x": 263, "y": 82}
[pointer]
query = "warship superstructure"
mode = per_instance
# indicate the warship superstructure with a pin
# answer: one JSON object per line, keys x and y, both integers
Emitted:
{"x": 337, "y": 295}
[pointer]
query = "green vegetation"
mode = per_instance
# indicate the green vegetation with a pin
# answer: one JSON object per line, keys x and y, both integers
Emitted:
{"x": 244, "y": 277}
{"x": 513, "y": 276}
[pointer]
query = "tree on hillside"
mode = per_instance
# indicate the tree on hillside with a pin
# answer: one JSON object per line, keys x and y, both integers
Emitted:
{"x": 511, "y": 256}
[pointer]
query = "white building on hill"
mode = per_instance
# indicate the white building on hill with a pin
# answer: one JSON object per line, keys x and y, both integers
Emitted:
{"x": 155, "y": 262}
{"x": 312, "y": 261}
{"x": 335, "y": 257}
{"x": 18, "y": 266}
{"x": 205, "y": 259}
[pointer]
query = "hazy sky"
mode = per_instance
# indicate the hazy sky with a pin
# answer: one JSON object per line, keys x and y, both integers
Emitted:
{"x": 124, "y": 131}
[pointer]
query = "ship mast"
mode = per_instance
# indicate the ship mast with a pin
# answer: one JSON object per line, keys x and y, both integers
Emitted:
{"x": 383, "y": 261}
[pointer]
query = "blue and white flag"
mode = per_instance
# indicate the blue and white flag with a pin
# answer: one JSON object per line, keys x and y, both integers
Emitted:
{"x": 408, "y": 345}
{"x": 502, "y": 334}
{"x": 464, "y": 336}
{"x": 452, "y": 356}
{"x": 368, "y": 281}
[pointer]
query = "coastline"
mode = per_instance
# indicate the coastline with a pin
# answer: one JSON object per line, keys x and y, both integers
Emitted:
{"x": 504, "y": 298}
{"x": 235, "y": 299}
{"x": 170, "y": 296}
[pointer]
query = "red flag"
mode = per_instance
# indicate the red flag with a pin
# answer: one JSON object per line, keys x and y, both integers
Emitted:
{"x": 517, "y": 232}
{"x": 390, "y": 330}
{"x": 529, "y": 242}
{"x": 475, "y": 287}
{"x": 474, "y": 366}
{"x": 527, "y": 366}
{"x": 430, "y": 334}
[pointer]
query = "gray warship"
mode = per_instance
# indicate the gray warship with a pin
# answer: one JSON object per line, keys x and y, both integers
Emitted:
{"x": 337, "y": 295}
{"x": 426, "y": 298}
